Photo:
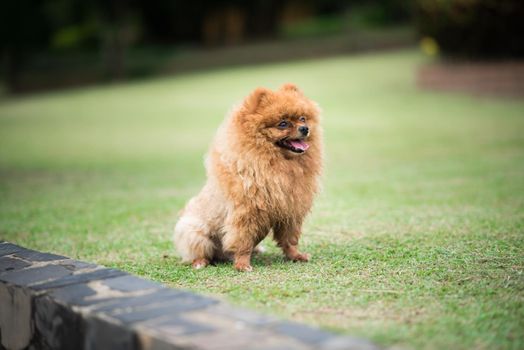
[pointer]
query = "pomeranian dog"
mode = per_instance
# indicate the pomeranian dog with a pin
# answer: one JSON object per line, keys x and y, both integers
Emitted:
{"x": 263, "y": 172}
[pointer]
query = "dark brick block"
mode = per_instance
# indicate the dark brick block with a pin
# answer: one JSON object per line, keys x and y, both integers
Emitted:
{"x": 9, "y": 264}
{"x": 80, "y": 278}
{"x": 230, "y": 338}
{"x": 176, "y": 326}
{"x": 57, "y": 326}
{"x": 16, "y": 331}
{"x": 181, "y": 303}
{"x": 102, "y": 334}
{"x": 142, "y": 301}
{"x": 248, "y": 317}
{"x": 75, "y": 294}
{"x": 33, "y": 255}
{"x": 31, "y": 276}
{"x": 305, "y": 334}
{"x": 130, "y": 283}
{"x": 75, "y": 265}
{"x": 9, "y": 248}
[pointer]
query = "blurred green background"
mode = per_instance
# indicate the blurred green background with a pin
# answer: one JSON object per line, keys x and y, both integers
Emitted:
{"x": 60, "y": 43}
{"x": 417, "y": 238}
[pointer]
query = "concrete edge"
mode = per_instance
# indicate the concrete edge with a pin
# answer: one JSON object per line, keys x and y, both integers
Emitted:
{"x": 49, "y": 301}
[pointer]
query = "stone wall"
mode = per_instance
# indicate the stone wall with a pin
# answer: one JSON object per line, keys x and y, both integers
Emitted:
{"x": 50, "y": 301}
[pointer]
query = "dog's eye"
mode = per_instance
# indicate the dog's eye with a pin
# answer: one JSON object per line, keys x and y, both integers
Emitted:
{"x": 283, "y": 124}
{"x": 302, "y": 119}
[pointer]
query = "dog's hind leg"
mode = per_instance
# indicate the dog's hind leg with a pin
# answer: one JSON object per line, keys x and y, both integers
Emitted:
{"x": 192, "y": 241}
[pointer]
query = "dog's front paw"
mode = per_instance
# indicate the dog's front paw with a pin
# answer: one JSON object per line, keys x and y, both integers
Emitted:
{"x": 243, "y": 267}
{"x": 302, "y": 257}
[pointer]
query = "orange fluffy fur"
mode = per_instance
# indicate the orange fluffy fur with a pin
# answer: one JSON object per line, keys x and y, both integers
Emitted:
{"x": 254, "y": 185}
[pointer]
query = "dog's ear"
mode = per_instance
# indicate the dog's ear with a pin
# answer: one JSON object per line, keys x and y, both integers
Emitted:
{"x": 256, "y": 99}
{"x": 290, "y": 87}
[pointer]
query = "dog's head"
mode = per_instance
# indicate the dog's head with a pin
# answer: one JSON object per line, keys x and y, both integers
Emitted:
{"x": 282, "y": 121}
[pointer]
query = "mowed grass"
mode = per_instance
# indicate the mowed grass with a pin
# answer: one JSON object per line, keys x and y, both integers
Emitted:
{"x": 417, "y": 238}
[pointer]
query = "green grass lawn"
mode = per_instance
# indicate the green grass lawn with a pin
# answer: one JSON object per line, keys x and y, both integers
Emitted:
{"x": 418, "y": 236}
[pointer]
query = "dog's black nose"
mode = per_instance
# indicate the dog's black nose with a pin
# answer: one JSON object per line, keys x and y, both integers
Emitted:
{"x": 304, "y": 130}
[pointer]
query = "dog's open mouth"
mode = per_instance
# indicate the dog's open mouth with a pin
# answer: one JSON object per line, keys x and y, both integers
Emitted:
{"x": 296, "y": 146}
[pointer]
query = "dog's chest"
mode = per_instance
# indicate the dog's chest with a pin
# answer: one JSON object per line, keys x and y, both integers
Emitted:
{"x": 278, "y": 189}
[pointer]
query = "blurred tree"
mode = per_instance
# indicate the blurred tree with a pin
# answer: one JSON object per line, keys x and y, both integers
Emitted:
{"x": 473, "y": 28}
{"x": 169, "y": 22}
{"x": 119, "y": 31}
{"x": 212, "y": 22}
{"x": 374, "y": 13}
{"x": 54, "y": 29}
{"x": 74, "y": 24}
{"x": 23, "y": 29}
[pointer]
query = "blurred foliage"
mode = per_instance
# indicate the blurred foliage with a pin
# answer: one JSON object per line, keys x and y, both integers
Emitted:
{"x": 473, "y": 28}
{"x": 348, "y": 16}
{"x": 429, "y": 46}
{"x": 373, "y": 14}
{"x": 316, "y": 26}
{"x": 74, "y": 36}
{"x": 39, "y": 25}
{"x": 111, "y": 29}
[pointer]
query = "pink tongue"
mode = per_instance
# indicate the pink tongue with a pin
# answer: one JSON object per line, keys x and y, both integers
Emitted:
{"x": 299, "y": 144}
